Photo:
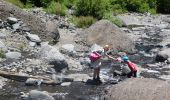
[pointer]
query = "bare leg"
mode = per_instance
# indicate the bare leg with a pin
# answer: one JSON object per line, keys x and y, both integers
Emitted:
{"x": 98, "y": 73}
{"x": 94, "y": 73}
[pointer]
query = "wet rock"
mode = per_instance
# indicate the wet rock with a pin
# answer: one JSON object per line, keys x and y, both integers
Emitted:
{"x": 39, "y": 95}
{"x": 165, "y": 77}
{"x": 79, "y": 77}
{"x": 61, "y": 78}
{"x": 68, "y": 49}
{"x": 66, "y": 84}
{"x": 153, "y": 71}
{"x": 85, "y": 61}
{"x": 53, "y": 56}
{"x": 12, "y": 20}
{"x": 32, "y": 82}
{"x": 163, "y": 55}
{"x": 152, "y": 65}
{"x": 33, "y": 37}
{"x": 13, "y": 55}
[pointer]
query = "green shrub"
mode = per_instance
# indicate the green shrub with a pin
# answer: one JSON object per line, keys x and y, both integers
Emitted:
{"x": 2, "y": 54}
{"x": 61, "y": 9}
{"x": 133, "y": 5}
{"x": 113, "y": 19}
{"x": 95, "y": 8}
{"x": 83, "y": 21}
{"x": 56, "y": 8}
{"x": 17, "y": 3}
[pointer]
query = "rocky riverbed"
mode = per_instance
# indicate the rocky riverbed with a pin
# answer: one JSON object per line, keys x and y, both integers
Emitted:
{"x": 31, "y": 64}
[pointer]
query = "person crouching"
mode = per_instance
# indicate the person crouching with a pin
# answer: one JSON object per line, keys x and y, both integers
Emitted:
{"x": 131, "y": 66}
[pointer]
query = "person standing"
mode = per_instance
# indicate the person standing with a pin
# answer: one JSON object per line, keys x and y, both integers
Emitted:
{"x": 96, "y": 61}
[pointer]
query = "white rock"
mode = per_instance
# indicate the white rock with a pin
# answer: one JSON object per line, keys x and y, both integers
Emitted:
{"x": 33, "y": 37}
{"x": 12, "y": 20}
{"x": 13, "y": 55}
{"x": 66, "y": 84}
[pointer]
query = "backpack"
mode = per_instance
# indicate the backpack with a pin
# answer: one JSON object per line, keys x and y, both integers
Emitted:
{"x": 94, "y": 56}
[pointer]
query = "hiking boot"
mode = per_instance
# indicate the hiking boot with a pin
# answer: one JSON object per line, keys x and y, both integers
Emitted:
{"x": 94, "y": 79}
{"x": 98, "y": 78}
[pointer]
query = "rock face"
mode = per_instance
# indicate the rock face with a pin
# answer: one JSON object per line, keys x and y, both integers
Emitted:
{"x": 53, "y": 56}
{"x": 38, "y": 95}
{"x": 140, "y": 89}
{"x": 104, "y": 32}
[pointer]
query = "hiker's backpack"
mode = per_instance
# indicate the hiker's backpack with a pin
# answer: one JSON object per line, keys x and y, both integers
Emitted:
{"x": 94, "y": 56}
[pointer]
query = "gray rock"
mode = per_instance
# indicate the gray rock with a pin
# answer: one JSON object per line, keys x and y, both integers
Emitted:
{"x": 53, "y": 31}
{"x": 39, "y": 95}
{"x": 32, "y": 44}
{"x": 68, "y": 49}
{"x": 166, "y": 19}
{"x": 130, "y": 20}
{"x": 85, "y": 61}
{"x": 16, "y": 26}
{"x": 12, "y": 20}
{"x": 53, "y": 56}
{"x": 163, "y": 55}
{"x": 2, "y": 46}
{"x": 13, "y": 55}
{"x": 32, "y": 82}
{"x": 95, "y": 47}
{"x": 33, "y": 37}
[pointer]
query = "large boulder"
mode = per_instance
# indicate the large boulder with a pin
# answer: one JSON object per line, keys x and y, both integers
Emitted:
{"x": 140, "y": 89}
{"x": 104, "y": 32}
{"x": 163, "y": 55}
{"x": 39, "y": 95}
{"x": 53, "y": 56}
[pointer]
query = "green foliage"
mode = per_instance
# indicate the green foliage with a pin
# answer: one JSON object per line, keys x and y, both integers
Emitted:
{"x": 95, "y": 8}
{"x": 83, "y": 21}
{"x": 61, "y": 9}
{"x": 2, "y": 54}
{"x": 134, "y": 5}
{"x": 113, "y": 19}
{"x": 17, "y": 3}
{"x": 56, "y": 8}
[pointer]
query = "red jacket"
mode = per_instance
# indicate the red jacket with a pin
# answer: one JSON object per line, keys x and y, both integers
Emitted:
{"x": 132, "y": 66}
